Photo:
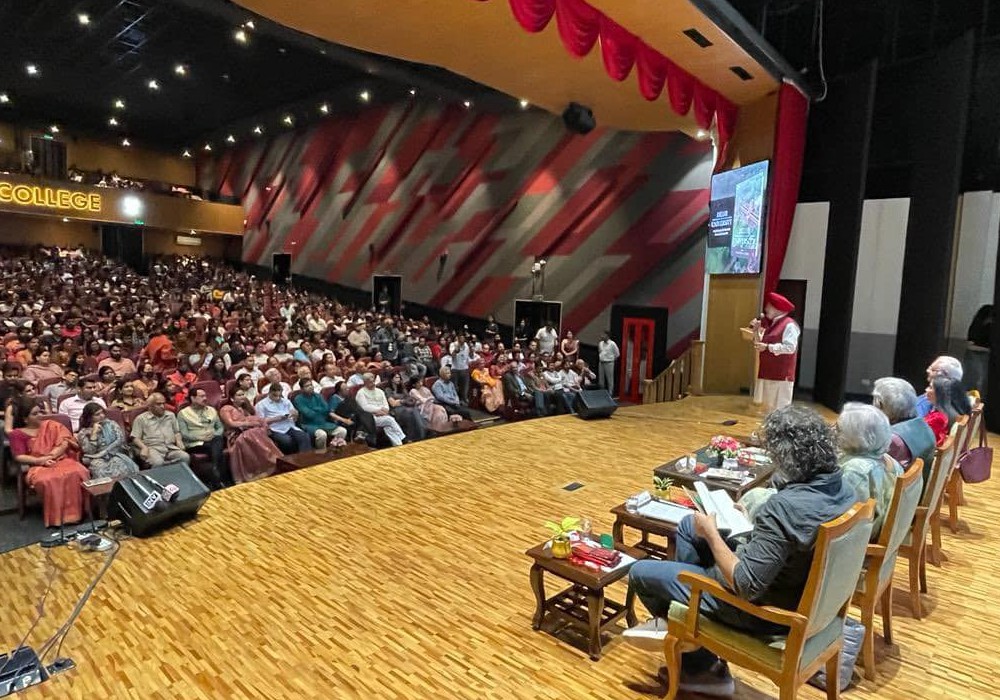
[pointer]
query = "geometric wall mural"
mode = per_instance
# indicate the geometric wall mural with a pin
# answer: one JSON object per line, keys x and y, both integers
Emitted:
{"x": 620, "y": 216}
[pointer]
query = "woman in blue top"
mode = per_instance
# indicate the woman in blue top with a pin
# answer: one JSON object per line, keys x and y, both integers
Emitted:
{"x": 316, "y": 418}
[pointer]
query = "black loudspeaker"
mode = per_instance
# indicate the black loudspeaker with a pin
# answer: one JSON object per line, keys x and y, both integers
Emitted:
{"x": 134, "y": 502}
{"x": 579, "y": 118}
{"x": 594, "y": 403}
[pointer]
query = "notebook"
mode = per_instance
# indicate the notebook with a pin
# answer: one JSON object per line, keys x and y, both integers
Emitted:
{"x": 661, "y": 510}
{"x": 720, "y": 504}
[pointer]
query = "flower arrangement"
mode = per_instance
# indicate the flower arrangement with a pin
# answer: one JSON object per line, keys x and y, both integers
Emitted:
{"x": 723, "y": 446}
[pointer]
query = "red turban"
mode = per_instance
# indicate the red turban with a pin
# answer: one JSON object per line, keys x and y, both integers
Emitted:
{"x": 780, "y": 303}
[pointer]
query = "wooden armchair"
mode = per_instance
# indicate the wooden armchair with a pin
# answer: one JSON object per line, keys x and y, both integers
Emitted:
{"x": 816, "y": 628}
{"x": 915, "y": 547}
{"x": 954, "y": 491}
{"x": 875, "y": 584}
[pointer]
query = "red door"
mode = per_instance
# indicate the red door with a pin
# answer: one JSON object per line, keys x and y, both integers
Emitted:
{"x": 637, "y": 345}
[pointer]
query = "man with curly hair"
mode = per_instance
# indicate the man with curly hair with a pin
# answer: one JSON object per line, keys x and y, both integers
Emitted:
{"x": 770, "y": 567}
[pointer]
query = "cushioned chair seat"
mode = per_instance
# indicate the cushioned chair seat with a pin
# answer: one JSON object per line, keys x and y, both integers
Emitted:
{"x": 767, "y": 650}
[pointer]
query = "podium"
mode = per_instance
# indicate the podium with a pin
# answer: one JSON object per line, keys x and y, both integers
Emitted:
{"x": 753, "y": 336}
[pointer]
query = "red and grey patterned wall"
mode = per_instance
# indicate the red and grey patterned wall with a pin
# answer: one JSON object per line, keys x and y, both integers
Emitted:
{"x": 620, "y": 217}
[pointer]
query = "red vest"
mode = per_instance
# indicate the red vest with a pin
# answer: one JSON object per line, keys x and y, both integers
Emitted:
{"x": 779, "y": 368}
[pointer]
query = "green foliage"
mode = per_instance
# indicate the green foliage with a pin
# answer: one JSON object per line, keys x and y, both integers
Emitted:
{"x": 662, "y": 483}
{"x": 563, "y": 527}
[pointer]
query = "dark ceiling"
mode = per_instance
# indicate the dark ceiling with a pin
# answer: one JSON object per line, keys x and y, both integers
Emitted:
{"x": 90, "y": 53}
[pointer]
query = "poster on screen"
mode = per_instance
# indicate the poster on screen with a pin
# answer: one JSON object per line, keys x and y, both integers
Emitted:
{"x": 736, "y": 220}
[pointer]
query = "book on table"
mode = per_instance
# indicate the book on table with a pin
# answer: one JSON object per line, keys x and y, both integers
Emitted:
{"x": 720, "y": 504}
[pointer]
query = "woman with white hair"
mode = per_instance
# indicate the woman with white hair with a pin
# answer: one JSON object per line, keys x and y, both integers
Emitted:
{"x": 863, "y": 436}
{"x": 911, "y": 436}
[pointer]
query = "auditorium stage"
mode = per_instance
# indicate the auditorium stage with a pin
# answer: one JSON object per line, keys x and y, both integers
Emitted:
{"x": 402, "y": 573}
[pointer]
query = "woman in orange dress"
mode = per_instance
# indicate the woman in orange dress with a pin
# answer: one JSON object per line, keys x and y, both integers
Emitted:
{"x": 492, "y": 388}
{"x": 49, "y": 451}
{"x": 252, "y": 454}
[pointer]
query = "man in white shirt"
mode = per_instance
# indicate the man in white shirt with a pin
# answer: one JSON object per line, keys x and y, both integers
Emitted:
{"x": 560, "y": 384}
{"x": 73, "y": 406}
{"x": 280, "y": 415}
{"x": 547, "y": 338}
{"x": 607, "y": 353}
{"x": 372, "y": 400}
{"x": 461, "y": 356}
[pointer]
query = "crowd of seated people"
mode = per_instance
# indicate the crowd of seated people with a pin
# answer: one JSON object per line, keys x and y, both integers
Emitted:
{"x": 821, "y": 471}
{"x": 98, "y": 178}
{"x": 202, "y": 364}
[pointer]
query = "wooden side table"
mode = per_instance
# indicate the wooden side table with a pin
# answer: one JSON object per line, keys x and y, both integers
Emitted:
{"x": 646, "y": 527}
{"x": 583, "y": 604}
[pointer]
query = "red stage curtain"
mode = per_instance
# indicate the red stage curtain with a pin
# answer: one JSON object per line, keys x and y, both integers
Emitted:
{"x": 651, "y": 70}
{"x": 786, "y": 166}
{"x": 579, "y": 26}
{"x": 533, "y": 15}
{"x": 618, "y": 47}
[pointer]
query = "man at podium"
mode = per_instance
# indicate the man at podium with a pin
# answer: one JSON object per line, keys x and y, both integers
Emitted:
{"x": 777, "y": 341}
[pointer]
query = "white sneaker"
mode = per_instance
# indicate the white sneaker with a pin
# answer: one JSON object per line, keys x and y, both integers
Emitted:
{"x": 648, "y": 635}
{"x": 321, "y": 440}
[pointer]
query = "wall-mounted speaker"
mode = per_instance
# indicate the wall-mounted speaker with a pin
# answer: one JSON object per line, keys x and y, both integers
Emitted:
{"x": 579, "y": 118}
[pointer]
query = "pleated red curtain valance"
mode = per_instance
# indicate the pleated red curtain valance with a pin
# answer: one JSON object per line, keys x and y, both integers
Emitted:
{"x": 581, "y": 26}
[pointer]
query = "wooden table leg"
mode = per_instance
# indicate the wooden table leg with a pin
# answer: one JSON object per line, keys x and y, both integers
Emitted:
{"x": 538, "y": 586}
{"x": 595, "y": 603}
{"x": 618, "y": 532}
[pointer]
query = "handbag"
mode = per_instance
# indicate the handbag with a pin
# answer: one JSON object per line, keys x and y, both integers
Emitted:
{"x": 977, "y": 463}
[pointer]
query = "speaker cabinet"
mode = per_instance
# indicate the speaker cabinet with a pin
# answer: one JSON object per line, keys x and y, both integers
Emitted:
{"x": 131, "y": 500}
{"x": 594, "y": 403}
{"x": 579, "y": 118}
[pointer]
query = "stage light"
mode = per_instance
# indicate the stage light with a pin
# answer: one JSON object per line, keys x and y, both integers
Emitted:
{"x": 152, "y": 84}
{"x": 231, "y": 139}
{"x": 83, "y": 18}
{"x": 181, "y": 70}
{"x": 193, "y": 232}
{"x": 131, "y": 206}
{"x": 240, "y": 36}
{"x": 249, "y": 24}
{"x": 288, "y": 120}
{"x": 467, "y": 104}
{"x": 54, "y": 129}
{"x": 119, "y": 103}
{"x": 702, "y": 134}
{"x": 208, "y": 147}
{"x": 365, "y": 96}
{"x": 258, "y": 130}
{"x": 112, "y": 122}
{"x": 65, "y": 220}
{"x": 126, "y": 143}
{"x": 32, "y": 69}
{"x": 4, "y": 98}
{"x": 324, "y": 108}
{"x": 525, "y": 104}
{"x": 413, "y": 92}
{"x": 186, "y": 154}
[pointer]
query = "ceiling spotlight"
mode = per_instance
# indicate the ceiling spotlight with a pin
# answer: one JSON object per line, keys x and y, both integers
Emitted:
{"x": 181, "y": 70}
{"x": 240, "y": 36}
{"x": 288, "y": 120}
{"x": 112, "y": 122}
{"x": 231, "y": 139}
{"x": 119, "y": 103}
{"x": 186, "y": 154}
{"x": 131, "y": 206}
{"x": 467, "y": 104}
{"x": 249, "y": 24}
{"x": 83, "y": 18}
{"x": 208, "y": 147}
{"x": 31, "y": 69}
{"x": 525, "y": 104}
{"x": 152, "y": 84}
{"x": 4, "y": 98}
{"x": 365, "y": 96}
{"x": 54, "y": 129}
{"x": 193, "y": 232}
{"x": 65, "y": 220}
{"x": 413, "y": 91}
{"x": 702, "y": 134}
{"x": 258, "y": 130}
{"x": 126, "y": 143}
{"x": 324, "y": 108}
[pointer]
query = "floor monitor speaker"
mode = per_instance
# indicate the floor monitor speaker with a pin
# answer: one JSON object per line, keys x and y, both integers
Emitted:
{"x": 157, "y": 498}
{"x": 595, "y": 403}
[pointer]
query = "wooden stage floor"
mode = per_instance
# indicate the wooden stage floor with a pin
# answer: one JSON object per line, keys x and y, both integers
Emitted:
{"x": 401, "y": 574}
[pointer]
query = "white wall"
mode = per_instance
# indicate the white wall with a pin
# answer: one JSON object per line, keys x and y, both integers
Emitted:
{"x": 804, "y": 261}
{"x": 879, "y": 277}
{"x": 976, "y": 254}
